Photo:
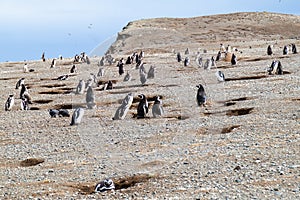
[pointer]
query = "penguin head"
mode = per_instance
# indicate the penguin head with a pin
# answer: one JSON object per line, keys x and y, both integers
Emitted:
{"x": 141, "y": 96}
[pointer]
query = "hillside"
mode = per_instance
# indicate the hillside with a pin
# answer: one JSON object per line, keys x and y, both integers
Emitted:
{"x": 244, "y": 144}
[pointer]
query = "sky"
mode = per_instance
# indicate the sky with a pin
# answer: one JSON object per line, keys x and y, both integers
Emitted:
{"x": 68, "y": 27}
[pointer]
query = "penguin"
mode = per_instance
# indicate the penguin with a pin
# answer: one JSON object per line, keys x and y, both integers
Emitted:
{"x": 138, "y": 64}
{"x": 222, "y": 48}
{"x": 19, "y": 83}
{"x": 151, "y": 73}
{"x": 127, "y": 77}
{"x": 24, "y": 104}
{"x": 220, "y": 76}
{"x": 279, "y": 70}
{"x": 87, "y": 60}
{"x": 187, "y": 51}
{"x": 77, "y": 116}
{"x": 207, "y": 64}
{"x": 141, "y": 55}
{"x": 80, "y": 87}
{"x": 228, "y": 49}
{"x": 157, "y": 109}
{"x": 233, "y": 59}
{"x": 89, "y": 82}
{"x": 93, "y": 77}
{"x": 179, "y": 59}
{"x": 105, "y": 185}
{"x": 273, "y": 66}
{"x": 27, "y": 97}
{"x": 218, "y": 56}
{"x": 269, "y": 50}
{"x": 53, "y": 112}
{"x": 285, "y": 50}
{"x": 123, "y": 109}
{"x": 43, "y": 57}
{"x": 9, "y": 102}
{"x": 201, "y": 95}
{"x": 109, "y": 85}
{"x": 53, "y": 63}
{"x": 63, "y": 77}
{"x": 186, "y": 61}
{"x": 100, "y": 72}
{"x": 128, "y": 61}
{"x": 23, "y": 90}
{"x": 294, "y": 49}
{"x": 73, "y": 69}
{"x": 121, "y": 68}
{"x": 199, "y": 61}
{"x": 101, "y": 62}
{"x": 63, "y": 113}
{"x": 143, "y": 77}
{"x": 25, "y": 68}
{"x": 213, "y": 62}
{"x": 143, "y": 107}
{"x": 90, "y": 98}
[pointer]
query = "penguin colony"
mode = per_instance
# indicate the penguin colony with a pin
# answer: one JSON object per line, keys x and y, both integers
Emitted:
{"x": 89, "y": 86}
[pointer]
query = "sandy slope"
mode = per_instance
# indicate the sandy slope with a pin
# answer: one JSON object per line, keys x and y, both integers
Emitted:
{"x": 244, "y": 144}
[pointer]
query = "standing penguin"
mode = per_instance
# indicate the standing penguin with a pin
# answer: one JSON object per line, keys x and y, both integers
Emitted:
{"x": 179, "y": 59}
{"x": 100, "y": 72}
{"x": 269, "y": 50}
{"x": 273, "y": 66}
{"x": 20, "y": 82}
{"x": 207, "y": 64}
{"x": 157, "y": 109}
{"x": 186, "y": 61}
{"x": 77, "y": 116}
{"x": 9, "y": 102}
{"x": 123, "y": 109}
{"x": 285, "y": 50}
{"x": 23, "y": 90}
{"x": 24, "y": 104}
{"x": 121, "y": 68}
{"x": 80, "y": 87}
{"x": 25, "y": 68}
{"x": 53, "y": 63}
{"x": 73, "y": 69}
{"x": 201, "y": 95}
{"x": 90, "y": 98}
{"x": 233, "y": 59}
{"x": 143, "y": 107}
{"x": 187, "y": 51}
{"x": 294, "y": 49}
{"x": 279, "y": 70}
{"x": 109, "y": 85}
{"x": 218, "y": 56}
{"x": 220, "y": 76}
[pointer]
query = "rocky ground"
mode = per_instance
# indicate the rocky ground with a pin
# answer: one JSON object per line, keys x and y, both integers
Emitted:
{"x": 243, "y": 145}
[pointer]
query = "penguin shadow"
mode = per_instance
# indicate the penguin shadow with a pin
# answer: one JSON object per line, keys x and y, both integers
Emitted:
{"x": 69, "y": 106}
{"x": 231, "y": 102}
{"x": 64, "y": 90}
{"x": 55, "y": 85}
{"x": 263, "y": 75}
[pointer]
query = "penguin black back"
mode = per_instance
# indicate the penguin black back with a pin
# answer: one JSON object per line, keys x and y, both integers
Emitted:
{"x": 142, "y": 108}
{"x": 201, "y": 95}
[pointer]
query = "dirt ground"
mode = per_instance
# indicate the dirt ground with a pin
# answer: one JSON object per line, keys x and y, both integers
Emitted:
{"x": 244, "y": 144}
